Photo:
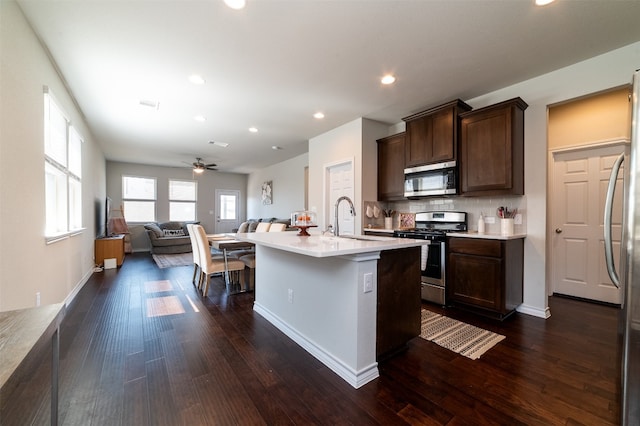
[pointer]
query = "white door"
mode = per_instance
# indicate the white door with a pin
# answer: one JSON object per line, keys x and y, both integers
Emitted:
{"x": 339, "y": 183}
{"x": 580, "y": 180}
{"x": 227, "y": 210}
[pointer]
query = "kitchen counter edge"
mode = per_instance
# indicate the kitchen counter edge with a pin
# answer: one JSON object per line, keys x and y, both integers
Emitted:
{"x": 474, "y": 234}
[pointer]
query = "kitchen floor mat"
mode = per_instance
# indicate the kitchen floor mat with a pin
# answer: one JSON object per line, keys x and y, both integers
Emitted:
{"x": 457, "y": 336}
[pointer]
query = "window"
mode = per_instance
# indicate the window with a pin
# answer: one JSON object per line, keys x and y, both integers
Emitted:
{"x": 62, "y": 171}
{"x": 139, "y": 198}
{"x": 182, "y": 200}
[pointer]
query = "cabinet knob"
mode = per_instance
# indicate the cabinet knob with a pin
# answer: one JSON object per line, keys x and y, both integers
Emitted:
{"x": 558, "y": 230}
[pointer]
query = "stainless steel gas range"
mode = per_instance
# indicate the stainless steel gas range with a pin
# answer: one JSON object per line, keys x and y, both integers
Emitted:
{"x": 433, "y": 226}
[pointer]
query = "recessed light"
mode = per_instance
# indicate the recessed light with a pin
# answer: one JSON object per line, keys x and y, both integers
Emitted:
{"x": 220, "y": 144}
{"x": 318, "y": 115}
{"x": 543, "y": 2}
{"x": 196, "y": 79}
{"x": 200, "y": 118}
{"x": 236, "y": 4}
{"x": 253, "y": 130}
{"x": 388, "y": 79}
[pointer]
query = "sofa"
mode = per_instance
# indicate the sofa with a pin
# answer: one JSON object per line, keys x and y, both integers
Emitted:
{"x": 251, "y": 224}
{"x": 169, "y": 237}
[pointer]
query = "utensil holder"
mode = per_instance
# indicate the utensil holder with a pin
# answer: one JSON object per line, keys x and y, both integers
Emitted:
{"x": 506, "y": 226}
{"x": 388, "y": 223}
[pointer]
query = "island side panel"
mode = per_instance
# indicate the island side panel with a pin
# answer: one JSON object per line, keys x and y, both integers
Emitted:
{"x": 399, "y": 303}
{"x": 328, "y": 314}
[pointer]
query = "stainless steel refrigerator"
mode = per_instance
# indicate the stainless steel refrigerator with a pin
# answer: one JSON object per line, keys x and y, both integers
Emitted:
{"x": 626, "y": 275}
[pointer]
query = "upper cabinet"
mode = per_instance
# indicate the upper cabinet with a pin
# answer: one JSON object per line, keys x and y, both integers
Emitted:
{"x": 391, "y": 168}
{"x": 432, "y": 135}
{"x": 492, "y": 150}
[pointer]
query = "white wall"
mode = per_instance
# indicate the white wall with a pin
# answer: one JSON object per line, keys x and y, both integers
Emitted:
{"x": 288, "y": 183}
{"x": 208, "y": 182}
{"x": 355, "y": 141}
{"x": 27, "y": 264}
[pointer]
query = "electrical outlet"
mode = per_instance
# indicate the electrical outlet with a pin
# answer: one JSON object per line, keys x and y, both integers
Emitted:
{"x": 368, "y": 282}
{"x": 38, "y": 299}
{"x": 517, "y": 219}
{"x": 290, "y": 295}
{"x": 490, "y": 219}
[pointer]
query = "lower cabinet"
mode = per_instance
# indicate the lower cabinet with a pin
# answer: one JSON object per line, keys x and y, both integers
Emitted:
{"x": 485, "y": 275}
{"x": 399, "y": 304}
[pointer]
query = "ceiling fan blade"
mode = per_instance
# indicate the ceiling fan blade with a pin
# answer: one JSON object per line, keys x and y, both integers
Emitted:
{"x": 211, "y": 165}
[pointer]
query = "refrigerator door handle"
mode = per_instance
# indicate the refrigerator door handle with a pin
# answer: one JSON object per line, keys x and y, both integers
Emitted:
{"x": 608, "y": 210}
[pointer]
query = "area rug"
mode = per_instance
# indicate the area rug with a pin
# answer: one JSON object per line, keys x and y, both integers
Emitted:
{"x": 170, "y": 260}
{"x": 461, "y": 338}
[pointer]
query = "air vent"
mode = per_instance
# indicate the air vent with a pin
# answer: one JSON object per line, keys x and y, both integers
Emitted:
{"x": 150, "y": 104}
{"x": 220, "y": 144}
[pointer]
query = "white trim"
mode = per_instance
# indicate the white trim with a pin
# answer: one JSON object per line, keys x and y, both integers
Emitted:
{"x": 55, "y": 238}
{"x": 354, "y": 378}
{"x": 536, "y": 312}
{"x": 78, "y": 287}
{"x": 591, "y": 145}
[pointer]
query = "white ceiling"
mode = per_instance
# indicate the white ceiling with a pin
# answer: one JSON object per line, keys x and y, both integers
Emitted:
{"x": 275, "y": 63}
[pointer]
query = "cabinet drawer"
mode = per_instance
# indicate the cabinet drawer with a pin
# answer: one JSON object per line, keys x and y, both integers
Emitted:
{"x": 478, "y": 247}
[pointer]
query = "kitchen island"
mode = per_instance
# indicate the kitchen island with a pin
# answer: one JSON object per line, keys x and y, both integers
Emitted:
{"x": 323, "y": 293}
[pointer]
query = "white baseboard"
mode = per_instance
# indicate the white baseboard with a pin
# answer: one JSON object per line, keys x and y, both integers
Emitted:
{"x": 78, "y": 287}
{"x": 533, "y": 311}
{"x": 354, "y": 378}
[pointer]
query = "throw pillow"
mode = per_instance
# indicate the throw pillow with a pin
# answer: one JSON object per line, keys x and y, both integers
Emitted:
{"x": 244, "y": 227}
{"x": 155, "y": 228}
{"x": 173, "y": 233}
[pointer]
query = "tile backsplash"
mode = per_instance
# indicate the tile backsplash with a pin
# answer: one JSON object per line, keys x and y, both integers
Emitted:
{"x": 487, "y": 206}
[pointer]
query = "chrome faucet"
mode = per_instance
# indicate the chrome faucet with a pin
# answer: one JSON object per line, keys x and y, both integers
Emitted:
{"x": 353, "y": 211}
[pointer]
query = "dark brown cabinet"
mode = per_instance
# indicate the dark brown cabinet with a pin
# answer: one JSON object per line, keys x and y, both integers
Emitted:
{"x": 398, "y": 317}
{"x": 432, "y": 135}
{"x": 485, "y": 275}
{"x": 391, "y": 168}
{"x": 492, "y": 150}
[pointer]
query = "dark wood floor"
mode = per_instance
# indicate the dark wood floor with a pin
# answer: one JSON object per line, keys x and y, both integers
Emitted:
{"x": 221, "y": 363}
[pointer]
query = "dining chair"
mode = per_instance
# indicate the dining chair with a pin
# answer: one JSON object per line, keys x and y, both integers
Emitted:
{"x": 249, "y": 261}
{"x": 213, "y": 265}
{"x": 263, "y": 227}
{"x": 196, "y": 254}
{"x": 277, "y": 227}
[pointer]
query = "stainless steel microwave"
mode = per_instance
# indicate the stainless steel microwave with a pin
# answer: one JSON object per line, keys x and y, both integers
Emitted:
{"x": 431, "y": 179}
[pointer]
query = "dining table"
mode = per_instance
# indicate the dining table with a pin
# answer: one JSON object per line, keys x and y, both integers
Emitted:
{"x": 226, "y": 243}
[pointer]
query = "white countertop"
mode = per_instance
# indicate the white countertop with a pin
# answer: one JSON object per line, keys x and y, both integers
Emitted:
{"x": 474, "y": 234}
{"x": 319, "y": 246}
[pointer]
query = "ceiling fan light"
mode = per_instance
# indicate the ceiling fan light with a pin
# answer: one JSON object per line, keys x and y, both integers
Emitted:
{"x": 198, "y": 170}
{"x": 388, "y": 79}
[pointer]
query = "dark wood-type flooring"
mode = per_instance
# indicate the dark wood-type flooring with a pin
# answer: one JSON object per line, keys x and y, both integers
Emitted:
{"x": 225, "y": 365}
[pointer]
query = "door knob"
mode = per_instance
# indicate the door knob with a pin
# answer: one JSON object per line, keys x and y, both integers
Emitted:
{"x": 558, "y": 230}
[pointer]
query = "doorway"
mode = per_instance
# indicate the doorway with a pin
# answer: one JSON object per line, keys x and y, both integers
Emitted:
{"x": 227, "y": 210}
{"x": 340, "y": 182}
{"x": 585, "y": 135}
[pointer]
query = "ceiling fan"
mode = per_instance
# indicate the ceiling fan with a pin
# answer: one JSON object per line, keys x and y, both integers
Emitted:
{"x": 199, "y": 166}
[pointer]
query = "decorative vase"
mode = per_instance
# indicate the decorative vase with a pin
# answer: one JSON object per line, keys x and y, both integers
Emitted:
{"x": 388, "y": 223}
